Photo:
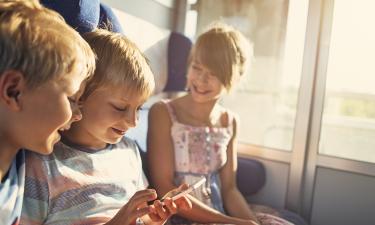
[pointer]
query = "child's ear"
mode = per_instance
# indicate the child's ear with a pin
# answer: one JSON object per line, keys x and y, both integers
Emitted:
{"x": 12, "y": 84}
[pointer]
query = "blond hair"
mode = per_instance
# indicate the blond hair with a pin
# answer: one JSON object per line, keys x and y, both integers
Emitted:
{"x": 225, "y": 51}
{"x": 119, "y": 62}
{"x": 37, "y": 42}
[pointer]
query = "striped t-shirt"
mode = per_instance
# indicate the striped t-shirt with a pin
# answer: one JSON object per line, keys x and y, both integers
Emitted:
{"x": 76, "y": 185}
{"x": 11, "y": 191}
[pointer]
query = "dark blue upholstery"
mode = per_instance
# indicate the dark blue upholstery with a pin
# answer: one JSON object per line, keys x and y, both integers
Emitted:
{"x": 108, "y": 17}
{"x": 84, "y": 15}
{"x": 178, "y": 52}
{"x": 292, "y": 217}
{"x": 251, "y": 176}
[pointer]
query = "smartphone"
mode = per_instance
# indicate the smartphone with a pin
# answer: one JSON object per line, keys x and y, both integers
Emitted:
{"x": 192, "y": 187}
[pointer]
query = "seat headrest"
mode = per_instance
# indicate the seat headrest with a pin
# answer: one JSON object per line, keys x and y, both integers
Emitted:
{"x": 178, "y": 53}
{"x": 84, "y": 15}
{"x": 251, "y": 176}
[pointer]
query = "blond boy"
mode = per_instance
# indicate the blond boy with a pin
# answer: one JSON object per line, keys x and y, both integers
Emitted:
{"x": 95, "y": 170}
{"x": 40, "y": 72}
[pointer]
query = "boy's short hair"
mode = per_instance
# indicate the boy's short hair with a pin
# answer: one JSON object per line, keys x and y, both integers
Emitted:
{"x": 225, "y": 51}
{"x": 119, "y": 62}
{"x": 37, "y": 42}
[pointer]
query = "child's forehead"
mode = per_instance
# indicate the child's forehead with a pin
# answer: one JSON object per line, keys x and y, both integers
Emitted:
{"x": 124, "y": 92}
{"x": 201, "y": 58}
{"x": 202, "y": 65}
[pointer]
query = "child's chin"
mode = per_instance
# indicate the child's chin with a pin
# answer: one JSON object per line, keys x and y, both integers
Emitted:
{"x": 45, "y": 150}
{"x": 114, "y": 140}
{"x": 47, "y": 147}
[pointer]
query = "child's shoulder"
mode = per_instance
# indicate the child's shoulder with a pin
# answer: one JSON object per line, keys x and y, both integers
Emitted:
{"x": 228, "y": 117}
{"x": 129, "y": 148}
{"x": 164, "y": 103}
{"x": 12, "y": 189}
{"x": 161, "y": 107}
{"x": 231, "y": 114}
{"x": 127, "y": 142}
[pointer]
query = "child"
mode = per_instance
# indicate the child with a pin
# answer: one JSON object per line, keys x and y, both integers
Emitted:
{"x": 95, "y": 170}
{"x": 196, "y": 136}
{"x": 40, "y": 72}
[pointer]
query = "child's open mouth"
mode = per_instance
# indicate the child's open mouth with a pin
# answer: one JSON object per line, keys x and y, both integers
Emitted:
{"x": 199, "y": 91}
{"x": 117, "y": 131}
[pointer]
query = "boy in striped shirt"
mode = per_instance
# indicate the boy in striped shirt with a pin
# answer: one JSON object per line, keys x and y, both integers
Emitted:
{"x": 94, "y": 175}
{"x": 40, "y": 73}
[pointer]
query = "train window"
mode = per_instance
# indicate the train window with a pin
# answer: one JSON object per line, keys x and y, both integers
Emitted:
{"x": 348, "y": 122}
{"x": 266, "y": 99}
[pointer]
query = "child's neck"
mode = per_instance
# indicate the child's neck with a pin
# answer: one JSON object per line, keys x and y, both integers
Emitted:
{"x": 7, "y": 154}
{"x": 78, "y": 136}
{"x": 207, "y": 113}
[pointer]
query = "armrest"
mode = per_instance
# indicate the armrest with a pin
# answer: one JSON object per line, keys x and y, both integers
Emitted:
{"x": 251, "y": 176}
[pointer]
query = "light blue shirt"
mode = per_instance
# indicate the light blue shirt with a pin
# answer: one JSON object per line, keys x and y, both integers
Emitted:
{"x": 76, "y": 185}
{"x": 11, "y": 191}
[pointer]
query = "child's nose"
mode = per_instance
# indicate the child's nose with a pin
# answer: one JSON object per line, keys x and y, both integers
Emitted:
{"x": 76, "y": 114}
{"x": 131, "y": 119}
{"x": 203, "y": 77}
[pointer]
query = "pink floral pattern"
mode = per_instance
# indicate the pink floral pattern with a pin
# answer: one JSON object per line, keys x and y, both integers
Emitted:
{"x": 203, "y": 151}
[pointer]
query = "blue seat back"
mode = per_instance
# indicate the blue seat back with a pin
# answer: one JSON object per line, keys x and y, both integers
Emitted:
{"x": 84, "y": 15}
{"x": 178, "y": 52}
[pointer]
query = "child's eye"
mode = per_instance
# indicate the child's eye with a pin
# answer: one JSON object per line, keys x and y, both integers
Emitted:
{"x": 196, "y": 68}
{"x": 79, "y": 103}
{"x": 121, "y": 109}
{"x": 211, "y": 76}
{"x": 139, "y": 108}
{"x": 72, "y": 100}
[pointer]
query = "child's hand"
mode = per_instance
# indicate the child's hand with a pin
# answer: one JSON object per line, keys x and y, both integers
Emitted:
{"x": 246, "y": 222}
{"x": 136, "y": 207}
{"x": 162, "y": 210}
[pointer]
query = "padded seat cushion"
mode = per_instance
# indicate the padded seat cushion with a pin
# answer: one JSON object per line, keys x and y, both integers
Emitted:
{"x": 251, "y": 176}
{"x": 84, "y": 15}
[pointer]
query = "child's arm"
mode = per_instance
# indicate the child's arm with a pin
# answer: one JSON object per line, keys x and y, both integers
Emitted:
{"x": 160, "y": 149}
{"x": 238, "y": 208}
{"x": 161, "y": 165}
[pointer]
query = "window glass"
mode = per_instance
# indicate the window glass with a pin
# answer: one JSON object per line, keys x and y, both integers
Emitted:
{"x": 348, "y": 124}
{"x": 266, "y": 98}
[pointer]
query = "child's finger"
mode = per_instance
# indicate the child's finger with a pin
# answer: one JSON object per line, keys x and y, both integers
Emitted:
{"x": 154, "y": 217}
{"x": 183, "y": 187}
{"x": 171, "y": 206}
{"x": 174, "y": 191}
{"x": 142, "y": 211}
{"x": 142, "y": 197}
{"x": 144, "y": 192}
{"x": 132, "y": 216}
{"x": 153, "y": 214}
{"x": 183, "y": 203}
{"x": 160, "y": 210}
{"x": 130, "y": 213}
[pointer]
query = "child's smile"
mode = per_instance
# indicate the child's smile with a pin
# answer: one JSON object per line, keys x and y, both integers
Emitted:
{"x": 119, "y": 131}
